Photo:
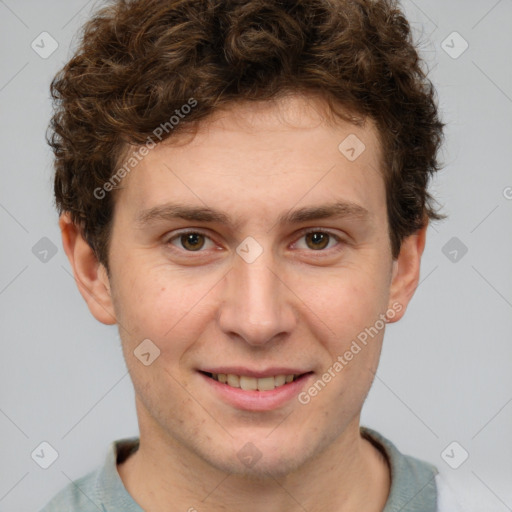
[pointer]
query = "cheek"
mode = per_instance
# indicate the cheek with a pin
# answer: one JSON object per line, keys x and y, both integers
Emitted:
{"x": 164, "y": 306}
{"x": 350, "y": 301}
{"x": 352, "y": 349}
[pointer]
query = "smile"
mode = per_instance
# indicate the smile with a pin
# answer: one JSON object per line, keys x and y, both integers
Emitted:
{"x": 248, "y": 383}
{"x": 264, "y": 390}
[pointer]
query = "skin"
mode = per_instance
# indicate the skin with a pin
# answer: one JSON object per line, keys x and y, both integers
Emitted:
{"x": 295, "y": 305}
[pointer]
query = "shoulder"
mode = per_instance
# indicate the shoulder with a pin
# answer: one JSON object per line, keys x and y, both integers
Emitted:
{"x": 416, "y": 485}
{"x": 79, "y": 495}
{"x": 99, "y": 490}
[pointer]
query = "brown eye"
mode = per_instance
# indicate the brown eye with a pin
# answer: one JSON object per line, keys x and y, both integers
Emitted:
{"x": 192, "y": 241}
{"x": 317, "y": 240}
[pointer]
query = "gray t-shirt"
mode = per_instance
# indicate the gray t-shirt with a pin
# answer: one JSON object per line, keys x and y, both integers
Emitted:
{"x": 415, "y": 484}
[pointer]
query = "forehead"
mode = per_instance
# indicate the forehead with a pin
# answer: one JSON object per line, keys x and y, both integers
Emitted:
{"x": 266, "y": 156}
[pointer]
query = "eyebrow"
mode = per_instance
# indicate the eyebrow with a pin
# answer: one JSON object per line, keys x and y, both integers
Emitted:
{"x": 172, "y": 211}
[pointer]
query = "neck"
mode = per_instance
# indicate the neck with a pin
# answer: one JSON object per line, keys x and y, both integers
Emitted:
{"x": 350, "y": 475}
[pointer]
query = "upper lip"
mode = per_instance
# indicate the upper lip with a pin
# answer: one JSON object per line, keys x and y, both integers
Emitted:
{"x": 258, "y": 374}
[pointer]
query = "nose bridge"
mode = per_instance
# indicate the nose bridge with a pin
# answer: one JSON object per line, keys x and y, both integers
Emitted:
{"x": 255, "y": 305}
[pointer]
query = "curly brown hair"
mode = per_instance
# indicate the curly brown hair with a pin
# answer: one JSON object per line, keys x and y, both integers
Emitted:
{"x": 139, "y": 61}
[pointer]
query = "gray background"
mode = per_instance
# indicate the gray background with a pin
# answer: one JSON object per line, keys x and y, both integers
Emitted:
{"x": 445, "y": 369}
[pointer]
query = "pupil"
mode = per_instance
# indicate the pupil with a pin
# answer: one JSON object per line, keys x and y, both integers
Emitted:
{"x": 318, "y": 238}
{"x": 192, "y": 241}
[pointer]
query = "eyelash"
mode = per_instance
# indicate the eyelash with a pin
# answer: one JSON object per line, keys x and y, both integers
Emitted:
{"x": 338, "y": 239}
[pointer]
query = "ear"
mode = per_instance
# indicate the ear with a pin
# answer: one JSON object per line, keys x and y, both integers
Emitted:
{"x": 406, "y": 272}
{"x": 90, "y": 275}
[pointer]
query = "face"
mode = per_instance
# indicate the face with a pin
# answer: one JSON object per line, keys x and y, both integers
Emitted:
{"x": 255, "y": 250}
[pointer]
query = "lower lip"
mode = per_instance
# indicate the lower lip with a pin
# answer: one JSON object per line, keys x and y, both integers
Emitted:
{"x": 258, "y": 400}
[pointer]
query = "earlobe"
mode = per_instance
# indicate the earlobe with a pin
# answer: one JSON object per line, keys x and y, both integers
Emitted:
{"x": 90, "y": 275}
{"x": 406, "y": 272}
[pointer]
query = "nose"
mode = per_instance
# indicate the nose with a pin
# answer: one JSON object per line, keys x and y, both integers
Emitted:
{"x": 257, "y": 305}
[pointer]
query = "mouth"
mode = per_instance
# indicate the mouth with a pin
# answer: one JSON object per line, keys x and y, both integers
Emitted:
{"x": 253, "y": 390}
{"x": 249, "y": 383}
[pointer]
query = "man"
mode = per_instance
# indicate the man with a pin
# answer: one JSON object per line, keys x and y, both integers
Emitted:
{"x": 243, "y": 191}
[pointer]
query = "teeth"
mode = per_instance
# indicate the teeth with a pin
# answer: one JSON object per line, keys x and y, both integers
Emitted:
{"x": 266, "y": 383}
{"x": 279, "y": 380}
{"x": 253, "y": 384}
{"x": 234, "y": 381}
{"x": 248, "y": 383}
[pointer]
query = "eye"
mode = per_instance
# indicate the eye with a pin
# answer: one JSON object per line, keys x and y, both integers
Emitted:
{"x": 191, "y": 241}
{"x": 195, "y": 241}
{"x": 318, "y": 240}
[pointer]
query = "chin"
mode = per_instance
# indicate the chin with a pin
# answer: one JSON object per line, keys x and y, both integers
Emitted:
{"x": 266, "y": 469}
{"x": 260, "y": 460}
